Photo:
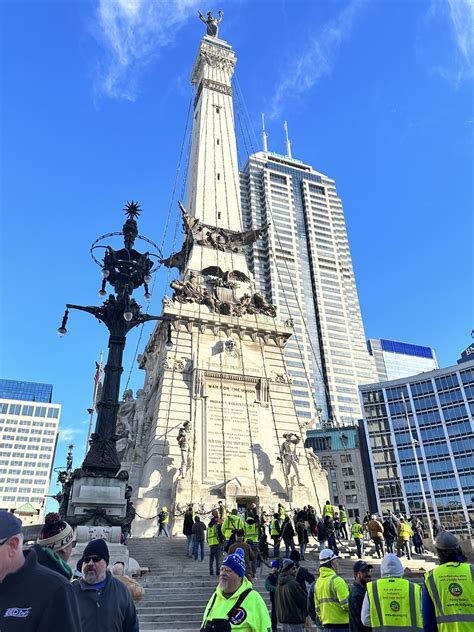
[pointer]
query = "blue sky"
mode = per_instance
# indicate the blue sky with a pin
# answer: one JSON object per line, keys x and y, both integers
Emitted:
{"x": 377, "y": 94}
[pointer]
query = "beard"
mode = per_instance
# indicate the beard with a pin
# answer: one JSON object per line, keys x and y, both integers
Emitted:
{"x": 93, "y": 577}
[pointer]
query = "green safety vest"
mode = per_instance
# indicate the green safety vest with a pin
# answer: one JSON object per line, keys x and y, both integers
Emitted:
{"x": 451, "y": 588}
{"x": 231, "y": 523}
{"x": 212, "y": 537}
{"x": 395, "y": 604}
{"x": 166, "y": 518}
{"x": 343, "y": 516}
{"x": 357, "y": 530}
{"x": 405, "y": 531}
{"x": 282, "y": 513}
{"x": 251, "y": 532}
{"x": 275, "y": 527}
{"x": 331, "y": 598}
{"x": 328, "y": 510}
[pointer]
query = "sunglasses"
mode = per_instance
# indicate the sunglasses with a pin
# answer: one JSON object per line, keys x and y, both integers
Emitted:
{"x": 92, "y": 558}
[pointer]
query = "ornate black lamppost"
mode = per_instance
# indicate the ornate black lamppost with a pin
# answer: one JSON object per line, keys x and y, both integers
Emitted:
{"x": 125, "y": 270}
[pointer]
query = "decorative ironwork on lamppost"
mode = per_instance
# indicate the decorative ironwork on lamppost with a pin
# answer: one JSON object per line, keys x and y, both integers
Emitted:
{"x": 125, "y": 270}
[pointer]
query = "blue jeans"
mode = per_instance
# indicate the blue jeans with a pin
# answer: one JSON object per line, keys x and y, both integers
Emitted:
{"x": 289, "y": 544}
{"x": 199, "y": 544}
{"x": 303, "y": 546}
{"x": 189, "y": 544}
{"x": 164, "y": 529}
{"x": 360, "y": 547}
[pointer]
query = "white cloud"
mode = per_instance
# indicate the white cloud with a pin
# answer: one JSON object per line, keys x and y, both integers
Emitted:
{"x": 132, "y": 33}
{"x": 462, "y": 22}
{"x": 68, "y": 433}
{"x": 318, "y": 59}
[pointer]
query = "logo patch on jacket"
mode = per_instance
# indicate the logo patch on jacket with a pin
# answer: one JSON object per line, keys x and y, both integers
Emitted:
{"x": 237, "y": 616}
{"x": 19, "y": 613}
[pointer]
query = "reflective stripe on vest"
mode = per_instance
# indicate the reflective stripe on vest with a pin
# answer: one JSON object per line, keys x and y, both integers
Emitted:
{"x": 331, "y": 609}
{"x": 451, "y": 588}
{"x": 212, "y": 535}
{"x": 388, "y": 601}
{"x": 251, "y": 531}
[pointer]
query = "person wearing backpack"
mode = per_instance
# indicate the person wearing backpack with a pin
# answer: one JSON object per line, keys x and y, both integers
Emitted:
{"x": 234, "y": 604}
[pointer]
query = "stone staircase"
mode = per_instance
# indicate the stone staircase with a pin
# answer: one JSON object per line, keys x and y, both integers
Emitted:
{"x": 177, "y": 588}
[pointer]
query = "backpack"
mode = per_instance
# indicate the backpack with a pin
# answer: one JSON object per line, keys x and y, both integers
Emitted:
{"x": 224, "y": 625}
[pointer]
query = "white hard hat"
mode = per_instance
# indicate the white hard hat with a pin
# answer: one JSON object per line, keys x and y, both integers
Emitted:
{"x": 327, "y": 555}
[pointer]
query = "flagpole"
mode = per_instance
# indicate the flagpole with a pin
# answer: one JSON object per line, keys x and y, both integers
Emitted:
{"x": 97, "y": 381}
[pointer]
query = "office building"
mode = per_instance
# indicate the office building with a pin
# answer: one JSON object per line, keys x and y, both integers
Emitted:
{"x": 28, "y": 435}
{"x": 341, "y": 454}
{"x": 421, "y": 436}
{"x": 304, "y": 267}
{"x": 395, "y": 359}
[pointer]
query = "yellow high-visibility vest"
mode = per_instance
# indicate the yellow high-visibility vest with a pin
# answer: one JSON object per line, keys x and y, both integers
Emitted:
{"x": 451, "y": 588}
{"x": 212, "y": 535}
{"x": 251, "y": 531}
{"x": 395, "y": 604}
{"x": 331, "y": 598}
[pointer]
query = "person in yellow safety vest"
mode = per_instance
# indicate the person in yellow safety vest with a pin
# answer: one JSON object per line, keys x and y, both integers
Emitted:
{"x": 328, "y": 510}
{"x": 163, "y": 520}
{"x": 357, "y": 532}
{"x": 222, "y": 511}
{"x": 403, "y": 539}
{"x": 447, "y": 598}
{"x": 251, "y": 531}
{"x": 281, "y": 511}
{"x": 343, "y": 521}
{"x": 392, "y": 602}
{"x": 214, "y": 540}
{"x": 275, "y": 534}
{"x": 234, "y": 604}
{"x": 232, "y": 523}
{"x": 331, "y": 594}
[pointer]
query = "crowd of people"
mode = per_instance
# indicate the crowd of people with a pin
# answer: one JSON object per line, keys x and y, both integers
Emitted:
{"x": 39, "y": 591}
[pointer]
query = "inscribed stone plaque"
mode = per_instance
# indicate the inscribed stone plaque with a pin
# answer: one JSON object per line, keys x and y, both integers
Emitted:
{"x": 231, "y": 416}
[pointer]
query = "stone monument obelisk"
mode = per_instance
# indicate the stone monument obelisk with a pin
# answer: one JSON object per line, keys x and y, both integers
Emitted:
{"x": 217, "y": 419}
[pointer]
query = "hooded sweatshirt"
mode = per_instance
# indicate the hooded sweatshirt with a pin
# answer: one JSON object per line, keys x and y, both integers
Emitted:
{"x": 390, "y": 567}
{"x": 290, "y": 600}
{"x": 50, "y": 559}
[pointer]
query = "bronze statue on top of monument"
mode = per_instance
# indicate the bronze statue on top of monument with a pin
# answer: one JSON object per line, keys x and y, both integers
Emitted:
{"x": 212, "y": 23}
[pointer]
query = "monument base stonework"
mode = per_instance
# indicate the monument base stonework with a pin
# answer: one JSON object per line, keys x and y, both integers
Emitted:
{"x": 220, "y": 408}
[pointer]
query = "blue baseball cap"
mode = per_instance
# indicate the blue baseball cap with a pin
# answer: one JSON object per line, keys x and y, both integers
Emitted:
{"x": 10, "y": 525}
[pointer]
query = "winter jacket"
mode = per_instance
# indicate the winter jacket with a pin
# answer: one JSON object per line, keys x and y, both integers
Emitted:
{"x": 303, "y": 577}
{"x": 35, "y": 599}
{"x": 356, "y": 599}
{"x": 302, "y": 533}
{"x": 290, "y": 600}
{"x": 375, "y": 529}
{"x": 198, "y": 530}
{"x": 389, "y": 530}
{"x": 109, "y": 609}
{"x": 188, "y": 524}
{"x": 287, "y": 531}
{"x": 50, "y": 559}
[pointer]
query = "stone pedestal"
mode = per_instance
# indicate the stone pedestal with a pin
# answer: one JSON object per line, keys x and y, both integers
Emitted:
{"x": 95, "y": 496}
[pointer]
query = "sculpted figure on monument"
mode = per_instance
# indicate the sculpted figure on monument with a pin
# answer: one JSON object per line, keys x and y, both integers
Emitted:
{"x": 212, "y": 23}
{"x": 314, "y": 462}
{"x": 183, "y": 446}
{"x": 124, "y": 427}
{"x": 289, "y": 456}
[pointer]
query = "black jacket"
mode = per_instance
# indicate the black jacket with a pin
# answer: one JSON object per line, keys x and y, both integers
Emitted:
{"x": 290, "y": 600}
{"x": 303, "y": 577}
{"x": 35, "y": 599}
{"x": 302, "y": 533}
{"x": 389, "y": 530}
{"x": 287, "y": 531}
{"x": 188, "y": 524}
{"x": 110, "y": 609}
{"x": 356, "y": 598}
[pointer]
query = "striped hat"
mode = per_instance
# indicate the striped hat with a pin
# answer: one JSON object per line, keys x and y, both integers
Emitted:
{"x": 55, "y": 534}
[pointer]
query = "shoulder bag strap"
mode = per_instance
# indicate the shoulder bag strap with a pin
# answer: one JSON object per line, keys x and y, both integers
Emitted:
{"x": 239, "y": 601}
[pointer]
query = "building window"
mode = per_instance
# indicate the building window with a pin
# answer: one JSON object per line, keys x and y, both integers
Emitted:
{"x": 349, "y": 485}
{"x": 336, "y": 500}
{"x": 347, "y": 471}
{"x": 218, "y": 141}
{"x": 40, "y": 411}
{"x": 346, "y": 458}
{"x": 14, "y": 409}
{"x": 323, "y": 443}
{"x": 28, "y": 411}
{"x": 351, "y": 499}
{"x": 334, "y": 486}
{"x": 53, "y": 413}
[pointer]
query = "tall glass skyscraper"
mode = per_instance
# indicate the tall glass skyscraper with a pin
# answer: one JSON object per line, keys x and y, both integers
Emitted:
{"x": 421, "y": 436}
{"x": 29, "y": 425}
{"x": 394, "y": 359}
{"x": 304, "y": 266}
